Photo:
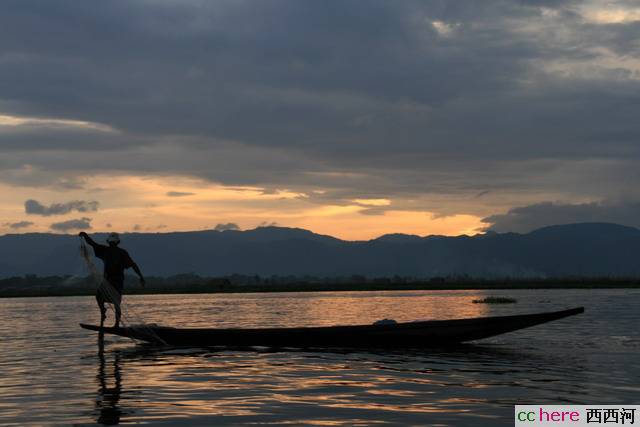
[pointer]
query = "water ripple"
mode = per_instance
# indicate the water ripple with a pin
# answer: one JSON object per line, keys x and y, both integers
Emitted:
{"x": 53, "y": 373}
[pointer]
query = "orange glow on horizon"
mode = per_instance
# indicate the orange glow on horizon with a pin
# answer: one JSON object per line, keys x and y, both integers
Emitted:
{"x": 164, "y": 204}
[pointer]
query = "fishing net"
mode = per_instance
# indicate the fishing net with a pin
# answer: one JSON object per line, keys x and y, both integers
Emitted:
{"x": 129, "y": 318}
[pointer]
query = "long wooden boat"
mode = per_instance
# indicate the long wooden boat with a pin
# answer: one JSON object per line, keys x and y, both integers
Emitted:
{"x": 399, "y": 335}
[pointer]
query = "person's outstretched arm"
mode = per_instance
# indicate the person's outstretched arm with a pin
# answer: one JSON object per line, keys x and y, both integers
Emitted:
{"x": 88, "y": 239}
{"x": 139, "y": 273}
{"x": 130, "y": 263}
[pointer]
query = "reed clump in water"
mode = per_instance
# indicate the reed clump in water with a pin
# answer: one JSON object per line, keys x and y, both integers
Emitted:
{"x": 495, "y": 300}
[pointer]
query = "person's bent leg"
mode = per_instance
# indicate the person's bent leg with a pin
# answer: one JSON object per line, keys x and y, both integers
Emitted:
{"x": 116, "y": 299}
{"x": 118, "y": 314}
{"x": 103, "y": 309}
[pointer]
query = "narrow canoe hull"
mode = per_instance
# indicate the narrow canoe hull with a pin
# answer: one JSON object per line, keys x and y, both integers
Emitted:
{"x": 401, "y": 335}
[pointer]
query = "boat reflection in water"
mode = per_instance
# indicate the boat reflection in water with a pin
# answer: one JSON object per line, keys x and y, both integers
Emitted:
{"x": 107, "y": 402}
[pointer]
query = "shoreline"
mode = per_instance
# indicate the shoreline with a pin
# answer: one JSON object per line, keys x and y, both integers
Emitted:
{"x": 240, "y": 289}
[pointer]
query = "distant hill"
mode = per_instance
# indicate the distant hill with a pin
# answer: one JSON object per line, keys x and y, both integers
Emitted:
{"x": 588, "y": 249}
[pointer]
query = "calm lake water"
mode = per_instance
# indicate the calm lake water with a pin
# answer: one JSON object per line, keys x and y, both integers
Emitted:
{"x": 54, "y": 373}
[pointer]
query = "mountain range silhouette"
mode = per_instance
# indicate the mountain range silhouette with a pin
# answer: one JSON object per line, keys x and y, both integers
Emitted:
{"x": 584, "y": 250}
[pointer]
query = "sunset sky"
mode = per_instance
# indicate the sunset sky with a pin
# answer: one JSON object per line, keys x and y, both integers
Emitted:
{"x": 348, "y": 118}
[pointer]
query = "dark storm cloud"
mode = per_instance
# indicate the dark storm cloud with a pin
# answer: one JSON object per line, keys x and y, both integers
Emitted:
{"x": 526, "y": 218}
{"x": 18, "y": 225}
{"x": 179, "y": 193}
{"x": 411, "y": 96}
{"x": 62, "y": 136}
{"x": 33, "y": 207}
{"x": 72, "y": 224}
{"x": 227, "y": 226}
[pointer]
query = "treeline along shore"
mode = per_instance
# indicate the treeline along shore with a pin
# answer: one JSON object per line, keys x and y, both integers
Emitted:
{"x": 40, "y": 286}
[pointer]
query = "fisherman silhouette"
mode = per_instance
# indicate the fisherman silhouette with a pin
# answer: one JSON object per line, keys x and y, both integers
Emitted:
{"x": 115, "y": 260}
